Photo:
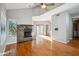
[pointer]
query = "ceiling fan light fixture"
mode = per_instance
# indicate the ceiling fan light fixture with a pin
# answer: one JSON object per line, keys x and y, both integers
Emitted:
{"x": 43, "y": 5}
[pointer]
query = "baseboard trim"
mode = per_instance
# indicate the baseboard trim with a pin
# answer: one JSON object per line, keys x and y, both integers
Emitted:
{"x": 65, "y": 42}
{"x": 11, "y": 43}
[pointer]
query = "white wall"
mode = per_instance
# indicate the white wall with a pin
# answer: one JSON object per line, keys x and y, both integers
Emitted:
{"x": 63, "y": 23}
{"x": 69, "y": 26}
{"x": 22, "y": 16}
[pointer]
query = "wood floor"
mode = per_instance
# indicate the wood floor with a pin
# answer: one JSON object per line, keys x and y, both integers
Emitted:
{"x": 43, "y": 47}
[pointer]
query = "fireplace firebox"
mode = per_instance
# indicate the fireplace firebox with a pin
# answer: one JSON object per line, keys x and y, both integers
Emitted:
{"x": 27, "y": 33}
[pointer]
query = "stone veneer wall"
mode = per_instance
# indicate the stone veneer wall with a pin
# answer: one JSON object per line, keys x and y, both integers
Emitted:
{"x": 20, "y": 32}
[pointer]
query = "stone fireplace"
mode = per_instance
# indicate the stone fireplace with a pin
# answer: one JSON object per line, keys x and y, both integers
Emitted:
{"x": 24, "y": 33}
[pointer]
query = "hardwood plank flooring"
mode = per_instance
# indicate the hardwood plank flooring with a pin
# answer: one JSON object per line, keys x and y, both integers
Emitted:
{"x": 43, "y": 47}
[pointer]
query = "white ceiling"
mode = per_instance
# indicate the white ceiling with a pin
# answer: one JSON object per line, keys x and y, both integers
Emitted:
{"x": 74, "y": 11}
{"x": 20, "y": 5}
{"x": 11, "y": 6}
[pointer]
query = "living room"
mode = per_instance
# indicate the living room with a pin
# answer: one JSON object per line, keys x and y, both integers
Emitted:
{"x": 33, "y": 27}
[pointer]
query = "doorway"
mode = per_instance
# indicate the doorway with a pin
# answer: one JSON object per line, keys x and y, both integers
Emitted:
{"x": 47, "y": 30}
{"x": 76, "y": 29}
{"x": 40, "y": 29}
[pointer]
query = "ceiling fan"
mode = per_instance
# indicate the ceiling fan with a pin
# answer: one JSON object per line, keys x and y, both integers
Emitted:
{"x": 45, "y": 5}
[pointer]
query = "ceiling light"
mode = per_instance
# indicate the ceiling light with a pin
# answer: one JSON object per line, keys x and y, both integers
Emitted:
{"x": 43, "y": 5}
